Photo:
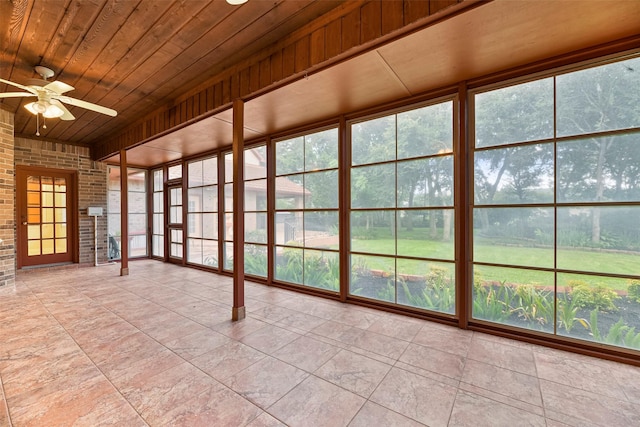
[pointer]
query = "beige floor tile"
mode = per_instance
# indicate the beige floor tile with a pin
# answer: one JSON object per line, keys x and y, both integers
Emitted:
{"x": 587, "y": 406}
{"x": 502, "y": 355}
{"x": 217, "y": 406}
{"x": 525, "y": 388}
{"x": 197, "y": 343}
{"x": 580, "y": 374}
{"x": 306, "y": 353}
{"x": 434, "y": 360}
{"x": 419, "y": 398}
{"x": 353, "y": 372}
{"x": 266, "y": 381}
{"x": 445, "y": 338}
{"x": 472, "y": 410}
{"x": 318, "y": 403}
{"x": 269, "y": 339}
{"x": 373, "y": 414}
{"x": 227, "y": 360}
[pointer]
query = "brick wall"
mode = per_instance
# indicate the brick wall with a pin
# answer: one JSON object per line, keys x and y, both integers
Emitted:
{"x": 7, "y": 203}
{"x": 92, "y": 186}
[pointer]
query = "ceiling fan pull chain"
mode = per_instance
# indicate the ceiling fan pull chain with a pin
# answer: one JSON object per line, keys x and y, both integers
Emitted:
{"x": 37, "y": 124}
{"x": 44, "y": 122}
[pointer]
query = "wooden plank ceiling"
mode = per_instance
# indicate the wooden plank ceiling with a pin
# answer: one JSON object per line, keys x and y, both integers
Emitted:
{"x": 139, "y": 56}
{"x": 488, "y": 39}
{"x": 132, "y": 55}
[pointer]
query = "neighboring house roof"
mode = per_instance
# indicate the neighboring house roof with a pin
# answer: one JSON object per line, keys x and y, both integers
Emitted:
{"x": 284, "y": 186}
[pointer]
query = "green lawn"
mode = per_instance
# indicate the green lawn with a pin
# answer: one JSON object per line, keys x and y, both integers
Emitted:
{"x": 573, "y": 259}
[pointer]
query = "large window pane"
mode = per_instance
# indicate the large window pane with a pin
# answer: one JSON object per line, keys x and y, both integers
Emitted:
{"x": 427, "y": 285}
{"x": 426, "y": 233}
{"x": 289, "y": 264}
{"x": 373, "y": 277}
{"x": 195, "y": 174}
{"x": 599, "y": 239}
{"x": 290, "y": 156}
{"x": 321, "y": 190}
{"x": 373, "y": 141}
{"x": 514, "y": 236}
{"x": 514, "y": 175}
{"x": 255, "y": 227}
{"x": 322, "y": 269}
{"x": 255, "y": 195}
{"x": 373, "y": 232}
{"x": 321, "y": 150}
{"x": 425, "y": 182}
{"x": 600, "y": 309}
{"x": 373, "y": 186}
{"x": 415, "y": 139}
{"x": 289, "y": 227}
{"x": 210, "y": 171}
{"x": 255, "y": 260}
{"x": 255, "y": 162}
{"x": 599, "y": 99}
{"x": 210, "y": 226}
{"x": 512, "y": 296}
{"x": 514, "y": 114}
{"x": 604, "y": 169}
{"x": 321, "y": 229}
{"x": 290, "y": 192}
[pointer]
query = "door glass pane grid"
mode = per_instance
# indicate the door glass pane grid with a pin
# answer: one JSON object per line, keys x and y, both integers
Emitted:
{"x": 157, "y": 228}
{"x": 402, "y": 234}
{"x": 202, "y": 216}
{"x": 227, "y": 246}
{"x": 46, "y": 215}
{"x": 307, "y": 228}
{"x": 568, "y": 206}
{"x": 255, "y": 211}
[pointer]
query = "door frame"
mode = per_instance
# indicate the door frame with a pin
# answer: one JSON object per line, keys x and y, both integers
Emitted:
{"x": 73, "y": 243}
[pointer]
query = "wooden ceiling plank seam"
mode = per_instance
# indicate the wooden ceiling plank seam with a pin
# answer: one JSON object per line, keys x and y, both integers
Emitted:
{"x": 393, "y": 73}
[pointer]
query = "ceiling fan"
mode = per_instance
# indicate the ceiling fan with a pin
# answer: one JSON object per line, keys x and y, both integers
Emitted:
{"x": 51, "y": 97}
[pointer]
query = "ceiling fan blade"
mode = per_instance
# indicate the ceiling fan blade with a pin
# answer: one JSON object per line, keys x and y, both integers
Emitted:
{"x": 59, "y": 87}
{"x": 67, "y": 114}
{"x": 18, "y": 85}
{"x": 88, "y": 105}
{"x": 15, "y": 94}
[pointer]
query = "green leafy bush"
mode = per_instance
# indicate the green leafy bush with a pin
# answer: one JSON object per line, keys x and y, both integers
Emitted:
{"x": 634, "y": 290}
{"x": 593, "y": 297}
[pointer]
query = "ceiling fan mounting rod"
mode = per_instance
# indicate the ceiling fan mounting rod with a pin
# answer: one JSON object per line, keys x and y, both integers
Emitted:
{"x": 43, "y": 71}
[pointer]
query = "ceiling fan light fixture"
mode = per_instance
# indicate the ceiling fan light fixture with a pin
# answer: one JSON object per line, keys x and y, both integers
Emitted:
{"x": 45, "y": 108}
{"x": 53, "y": 111}
{"x": 236, "y": 2}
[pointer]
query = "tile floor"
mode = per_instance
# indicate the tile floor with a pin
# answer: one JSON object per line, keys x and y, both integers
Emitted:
{"x": 87, "y": 347}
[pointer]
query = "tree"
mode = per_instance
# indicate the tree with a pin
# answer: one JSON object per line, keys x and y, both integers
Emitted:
{"x": 600, "y": 99}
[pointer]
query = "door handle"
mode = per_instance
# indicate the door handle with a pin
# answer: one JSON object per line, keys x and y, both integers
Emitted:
{"x": 24, "y": 223}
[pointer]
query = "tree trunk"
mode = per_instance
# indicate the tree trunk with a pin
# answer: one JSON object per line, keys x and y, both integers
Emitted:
{"x": 595, "y": 216}
{"x": 446, "y": 232}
